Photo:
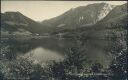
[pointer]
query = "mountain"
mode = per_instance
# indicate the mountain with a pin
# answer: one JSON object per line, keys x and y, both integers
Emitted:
{"x": 80, "y": 16}
{"x": 116, "y": 18}
{"x": 17, "y": 23}
{"x": 115, "y": 22}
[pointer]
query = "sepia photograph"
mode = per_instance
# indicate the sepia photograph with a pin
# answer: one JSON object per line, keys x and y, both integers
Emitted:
{"x": 63, "y": 40}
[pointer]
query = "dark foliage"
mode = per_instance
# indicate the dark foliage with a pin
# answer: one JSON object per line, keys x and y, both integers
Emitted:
{"x": 119, "y": 66}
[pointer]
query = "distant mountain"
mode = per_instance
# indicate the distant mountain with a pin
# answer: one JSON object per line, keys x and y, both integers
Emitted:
{"x": 116, "y": 18}
{"x": 15, "y": 22}
{"x": 80, "y": 16}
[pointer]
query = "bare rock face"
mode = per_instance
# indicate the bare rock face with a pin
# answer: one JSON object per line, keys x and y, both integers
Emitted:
{"x": 116, "y": 12}
{"x": 105, "y": 10}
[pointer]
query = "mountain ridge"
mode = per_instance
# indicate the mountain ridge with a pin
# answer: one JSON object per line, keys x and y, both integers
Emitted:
{"x": 12, "y": 21}
{"x": 83, "y": 15}
{"x": 78, "y": 17}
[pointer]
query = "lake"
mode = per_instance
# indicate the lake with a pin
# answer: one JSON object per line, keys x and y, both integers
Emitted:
{"x": 50, "y": 48}
{"x": 39, "y": 50}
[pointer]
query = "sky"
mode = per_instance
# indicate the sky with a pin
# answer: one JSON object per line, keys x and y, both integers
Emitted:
{"x": 41, "y": 10}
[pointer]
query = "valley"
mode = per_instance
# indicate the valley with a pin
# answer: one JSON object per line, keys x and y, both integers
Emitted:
{"x": 84, "y": 43}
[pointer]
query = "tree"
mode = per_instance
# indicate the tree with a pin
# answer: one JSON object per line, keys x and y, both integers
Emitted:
{"x": 23, "y": 68}
{"x": 76, "y": 58}
{"x": 96, "y": 67}
{"x": 119, "y": 66}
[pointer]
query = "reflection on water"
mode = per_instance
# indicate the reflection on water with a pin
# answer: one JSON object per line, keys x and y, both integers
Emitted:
{"x": 42, "y": 55}
{"x": 40, "y": 50}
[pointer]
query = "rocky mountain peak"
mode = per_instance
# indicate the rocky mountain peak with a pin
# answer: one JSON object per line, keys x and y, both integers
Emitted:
{"x": 105, "y": 10}
{"x": 116, "y": 12}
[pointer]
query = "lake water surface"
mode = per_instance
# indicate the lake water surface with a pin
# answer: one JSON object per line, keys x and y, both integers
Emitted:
{"x": 49, "y": 48}
{"x": 40, "y": 50}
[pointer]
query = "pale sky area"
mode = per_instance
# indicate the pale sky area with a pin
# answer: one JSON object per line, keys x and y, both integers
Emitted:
{"x": 41, "y": 10}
